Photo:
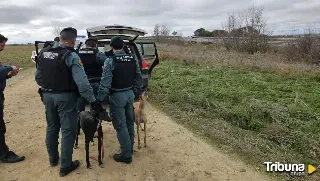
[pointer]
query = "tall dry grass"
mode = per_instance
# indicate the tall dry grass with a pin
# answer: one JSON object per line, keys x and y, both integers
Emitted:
{"x": 217, "y": 55}
{"x": 305, "y": 49}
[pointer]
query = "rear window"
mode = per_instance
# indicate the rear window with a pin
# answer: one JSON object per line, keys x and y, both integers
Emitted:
{"x": 128, "y": 48}
{"x": 148, "y": 49}
{"x": 139, "y": 46}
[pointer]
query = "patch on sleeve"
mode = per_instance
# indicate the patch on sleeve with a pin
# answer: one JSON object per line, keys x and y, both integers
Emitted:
{"x": 105, "y": 63}
{"x": 80, "y": 62}
{"x": 108, "y": 64}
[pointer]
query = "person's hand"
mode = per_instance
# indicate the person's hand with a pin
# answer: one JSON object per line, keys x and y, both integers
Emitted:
{"x": 14, "y": 68}
{"x": 13, "y": 73}
{"x": 97, "y": 107}
{"x": 9, "y": 75}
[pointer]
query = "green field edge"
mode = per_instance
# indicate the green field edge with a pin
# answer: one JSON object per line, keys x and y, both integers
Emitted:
{"x": 217, "y": 143}
{"x": 226, "y": 144}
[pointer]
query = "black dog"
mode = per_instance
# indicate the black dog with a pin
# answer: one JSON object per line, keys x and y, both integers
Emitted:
{"x": 90, "y": 124}
{"x": 78, "y": 133}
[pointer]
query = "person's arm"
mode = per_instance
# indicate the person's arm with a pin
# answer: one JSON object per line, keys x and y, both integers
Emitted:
{"x": 37, "y": 76}
{"x": 80, "y": 77}
{"x": 106, "y": 80}
{"x": 101, "y": 58}
{"x": 4, "y": 71}
{"x": 137, "y": 83}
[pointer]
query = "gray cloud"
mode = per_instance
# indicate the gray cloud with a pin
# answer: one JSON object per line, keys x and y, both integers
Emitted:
{"x": 34, "y": 19}
{"x": 12, "y": 14}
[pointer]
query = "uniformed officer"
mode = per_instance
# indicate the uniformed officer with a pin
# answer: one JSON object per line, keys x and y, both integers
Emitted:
{"x": 61, "y": 78}
{"x": 6, "y": 72}
{"x": 56, "y": 40}
{"x": 92, "y": 61}
{"x": 121, "y": 78}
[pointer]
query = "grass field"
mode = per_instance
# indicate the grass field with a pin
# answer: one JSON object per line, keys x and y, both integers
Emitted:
{"x": 17, "y": 55}
{"x": 259, "y": 107}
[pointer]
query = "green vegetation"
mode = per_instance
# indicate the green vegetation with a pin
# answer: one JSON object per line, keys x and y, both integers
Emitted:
{"x": 17, "y": 55}
{"x": 259, "y": 114}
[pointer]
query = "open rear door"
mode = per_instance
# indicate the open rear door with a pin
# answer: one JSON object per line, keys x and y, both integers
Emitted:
{"x": 149, "y": 52}
{"x": 39, "y": 45}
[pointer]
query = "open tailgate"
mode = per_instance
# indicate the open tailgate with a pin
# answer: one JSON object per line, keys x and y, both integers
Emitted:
{"x": 108, "y": 31}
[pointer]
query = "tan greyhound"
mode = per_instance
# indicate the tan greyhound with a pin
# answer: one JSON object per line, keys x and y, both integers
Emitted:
{"x": 140, "y": 117}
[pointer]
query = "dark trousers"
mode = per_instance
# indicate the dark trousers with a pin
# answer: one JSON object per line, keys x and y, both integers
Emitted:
{"x": 122, "y": 112}
{"x": 61, "y": 113}
{"x": 3, "y": 147}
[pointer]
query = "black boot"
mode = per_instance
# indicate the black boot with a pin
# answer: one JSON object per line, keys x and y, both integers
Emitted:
{"x": 65, "y": 171}
{"x": 11, "y": 157}
{"x": 119, "y": 158}
{"x": 54, "y": 159}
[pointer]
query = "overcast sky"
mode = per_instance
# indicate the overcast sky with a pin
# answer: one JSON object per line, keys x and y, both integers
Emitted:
{"x": 30, "y": 20}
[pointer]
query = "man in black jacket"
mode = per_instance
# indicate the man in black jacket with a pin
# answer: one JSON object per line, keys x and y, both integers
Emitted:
{"x": 6, "y": 72}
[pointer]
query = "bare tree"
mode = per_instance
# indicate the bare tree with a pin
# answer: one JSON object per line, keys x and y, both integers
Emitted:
{"x": 164, "y": 30}
{"x": 232, "y": 40}
{"x": 156, "y": 31}
{"x": 304, "y": 48}
{"x": 161, "y": 32}
{"x": 56, "y": 31}
{"x": 247, "y": 31}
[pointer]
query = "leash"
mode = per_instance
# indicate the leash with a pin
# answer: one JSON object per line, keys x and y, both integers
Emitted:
{"x": 102, "y": 154}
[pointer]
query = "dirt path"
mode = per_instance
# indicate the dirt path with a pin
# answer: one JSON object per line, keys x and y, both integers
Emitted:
{"x": 173, "y": 153}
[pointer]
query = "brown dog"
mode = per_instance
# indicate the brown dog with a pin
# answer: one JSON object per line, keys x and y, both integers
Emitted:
{"x": 140, "y": 117}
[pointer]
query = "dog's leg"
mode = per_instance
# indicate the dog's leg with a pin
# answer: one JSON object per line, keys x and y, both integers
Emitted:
{"x": 141, "y": 127}
{"x": 100, "y": 134}
{"x": 145, "y": 133}
{"x": 78, "y": 133}
{"x": 87, "y": 140}
{"x": 138, "y": 125}
{"x": 92, "y": 142}
{"x": 144, "y": 120}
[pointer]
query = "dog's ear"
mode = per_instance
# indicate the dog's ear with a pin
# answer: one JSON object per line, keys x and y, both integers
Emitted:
{"x": 144, "y": 95}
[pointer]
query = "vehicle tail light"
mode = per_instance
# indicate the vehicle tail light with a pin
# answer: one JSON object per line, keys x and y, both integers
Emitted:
{"x": 144, "y": 64}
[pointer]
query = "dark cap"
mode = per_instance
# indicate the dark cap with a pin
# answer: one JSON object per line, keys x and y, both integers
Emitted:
{"x": 56, "y": 39}
{"x": 91, "y": 39}
{"x": 70, "y": 29}
{"x": 115, "y": 38}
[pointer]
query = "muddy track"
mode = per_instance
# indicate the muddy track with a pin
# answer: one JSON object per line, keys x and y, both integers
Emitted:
{"x": 173, "y": 152}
